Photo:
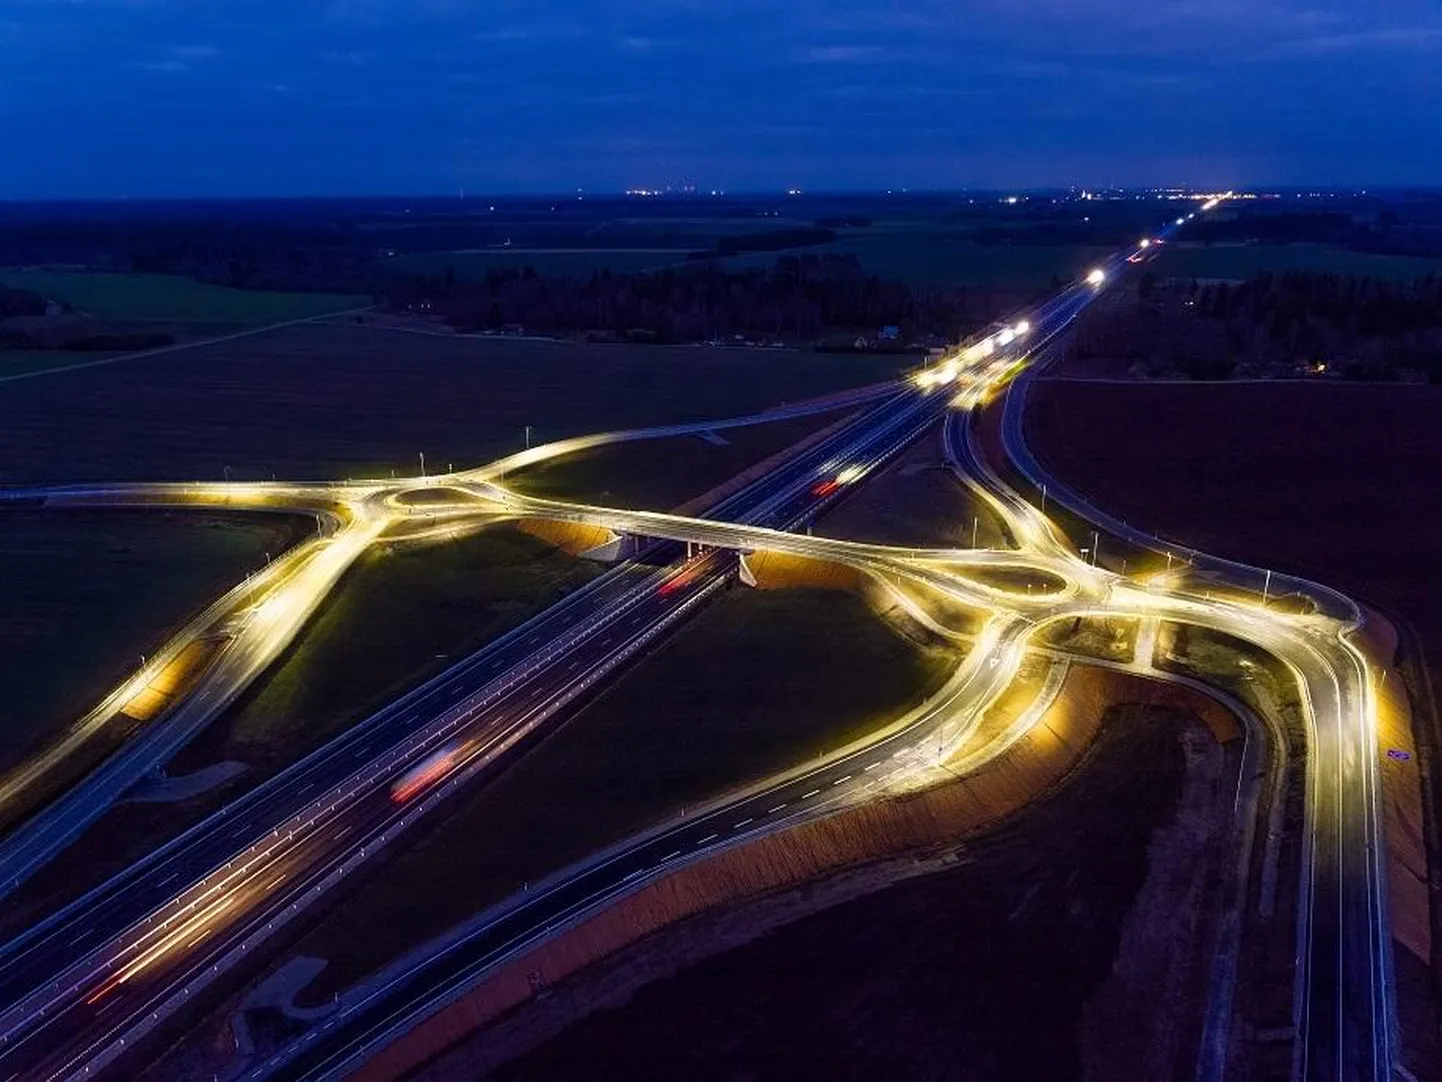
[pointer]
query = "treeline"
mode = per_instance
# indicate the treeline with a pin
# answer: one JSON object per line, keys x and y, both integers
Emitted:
{"x": 1357, "y": 307}
{"x": 797, "y": 298}
{"x": 1279, "y": 324}
{"x": 281, "y": 255}
{"x": 1290, "y": 228}
{"x": 1369, "y": 328}
{"x": 1388, "y": 232}
{"x": 296, "y": 259}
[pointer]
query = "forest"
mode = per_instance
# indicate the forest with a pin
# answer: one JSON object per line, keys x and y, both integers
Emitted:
{"x": 797, "y": 298}
{"x": 1274, "y": 325}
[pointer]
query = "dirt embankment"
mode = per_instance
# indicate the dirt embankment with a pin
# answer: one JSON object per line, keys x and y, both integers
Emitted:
{"x": 573, "y": 538}
{"x": 1144, "y": 1021}
{"x": 1408, "y": 881}
{"x": 931, "y": 823}
{"x": 781, "y": 571}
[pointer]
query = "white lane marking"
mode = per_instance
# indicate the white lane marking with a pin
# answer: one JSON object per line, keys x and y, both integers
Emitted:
{"x": 808, "y": 796}
{"x": 871, "y": 766}
{"x": 709, "y": 837}
{"x": 670, "y": 856}
{"x": 738, "y": 826}
{"x": 773, "y": 811}
{"x": 838, "y": 781}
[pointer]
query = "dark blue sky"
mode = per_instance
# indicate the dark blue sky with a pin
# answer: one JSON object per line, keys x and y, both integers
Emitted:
{"x": 248, "y": 97}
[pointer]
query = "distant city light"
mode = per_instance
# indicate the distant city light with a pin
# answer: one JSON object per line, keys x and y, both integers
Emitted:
{"x": 1096, "y": 276}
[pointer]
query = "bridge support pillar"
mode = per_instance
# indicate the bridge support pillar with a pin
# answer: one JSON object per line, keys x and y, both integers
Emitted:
{"x": 744, "y": 572}
{"x": 621, "y": 547}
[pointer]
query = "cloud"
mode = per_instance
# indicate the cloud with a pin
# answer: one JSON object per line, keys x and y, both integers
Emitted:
{"x": 178, "y": 58}
{"x": 853, "y": 54}
{"x": 893, "y": 91}
{"x": 1403, "y": 38}
{"x": 614, "y": 99}
{"x": 521, "y": 34}
{"x": 506, "y": 33}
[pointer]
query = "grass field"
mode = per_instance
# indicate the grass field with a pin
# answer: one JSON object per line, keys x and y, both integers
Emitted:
{"x": 988, "y": 965}
{"x": 940, "y": 258}
{"x": 916, "y": 501}
{"x": 757, "y": 682}
{"x": 334, "y": 401}
{"x": 657, "y": 475}
{"x": 395, "y": 619}
{"x": 547, "y": 262}
{"x": 85, "y": 593}
{"x": 688, "y": 233}
{"x": 168, "y": 297}
{"x": 1331, "y": 481}
{"x": 401, "y": 615}
{"x": 1244, "y": 261}
{"x": 15, "y": 362}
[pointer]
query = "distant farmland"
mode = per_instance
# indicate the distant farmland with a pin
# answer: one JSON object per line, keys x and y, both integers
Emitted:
{"x": 172, "y": 298}
{"x": 85, "y": 593}
{"x": 547, "y": 262}
{"x": 338, "y": 400}
{"x": 17, "y": 362}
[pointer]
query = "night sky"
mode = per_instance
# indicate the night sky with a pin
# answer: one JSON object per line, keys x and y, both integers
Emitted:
{"x": 138, "y": 98}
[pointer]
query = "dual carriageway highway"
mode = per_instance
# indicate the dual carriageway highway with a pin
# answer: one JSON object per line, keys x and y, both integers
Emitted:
{"x": 115, "y": 964}
{"x": 85, "y": 986}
